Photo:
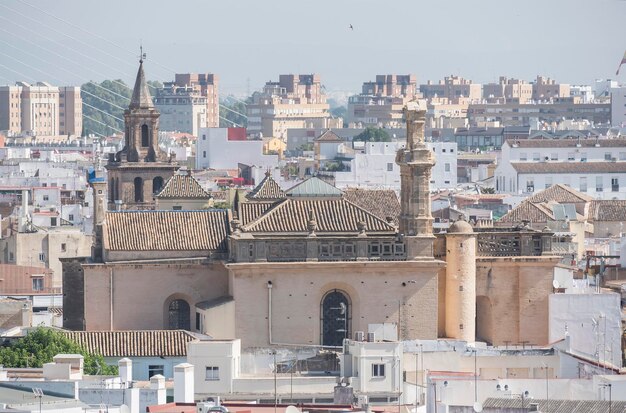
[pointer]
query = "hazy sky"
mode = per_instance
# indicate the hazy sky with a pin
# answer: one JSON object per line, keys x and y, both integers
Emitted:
{"x": 248, "y": 42}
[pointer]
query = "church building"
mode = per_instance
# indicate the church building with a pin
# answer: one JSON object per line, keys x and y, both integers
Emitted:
{"x": 310, "y": 265}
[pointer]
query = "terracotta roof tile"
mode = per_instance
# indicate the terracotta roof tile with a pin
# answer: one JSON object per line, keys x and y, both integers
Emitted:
{"x": 183, "y": 186}
{"x": 607, "y": 210}
{"x": 332, "y": 216}
{"x": 528, "y": 211}
{"x": 569, "y": 167}
{"x": 136, "y": 343}
{"x": 250, "y": 211}
{"x": 166, "y": 230}
{"x": 562, "y": 194}
{"x": 381, "y": 202}
{"x": 267, "y": 189}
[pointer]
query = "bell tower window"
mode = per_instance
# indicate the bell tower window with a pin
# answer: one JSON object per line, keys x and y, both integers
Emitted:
{"x": 145, "y": 137}
{"x": 138, "y": 189}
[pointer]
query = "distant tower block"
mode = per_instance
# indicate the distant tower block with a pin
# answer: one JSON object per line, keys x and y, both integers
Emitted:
{"x": 461, "y": 282}
{"x": 416, "y": 162}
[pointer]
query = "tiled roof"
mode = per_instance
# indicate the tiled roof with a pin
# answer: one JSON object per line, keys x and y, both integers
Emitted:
{"x": 166, "y": 230}
{"x": 569, "y": 167}
{"x": 135, "y": 343}
{"x": 381, "y": 202}
{"x": 567, "y": 143}
{"x": 331, "y": 215}
{"x": 268, "y": 188}
{"x": 562, "y": 194}
{"x": 250, "y": 211}
{"x": 607, "y": 210}
{"x": 328, "y": 136}
{"x": 183, "y": 186}
{"x": 313, "y": 187}
{"x": 557, "y": 406}
{"x": 528, "y": 211}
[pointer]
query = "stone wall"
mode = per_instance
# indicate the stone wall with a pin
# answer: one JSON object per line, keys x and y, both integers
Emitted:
{"x": 376, "y": 290}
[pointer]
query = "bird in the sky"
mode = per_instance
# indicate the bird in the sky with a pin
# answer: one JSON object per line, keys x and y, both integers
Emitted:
{"x": 351, "y": 28}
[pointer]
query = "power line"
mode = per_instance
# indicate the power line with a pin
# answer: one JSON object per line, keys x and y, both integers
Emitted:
{"x": 65, "y": 70}
{"x": 27, "y": 29}
{"x": 106, "y": 101}
{"x": 102, "y": 123}
{"x": 106, "y": 113}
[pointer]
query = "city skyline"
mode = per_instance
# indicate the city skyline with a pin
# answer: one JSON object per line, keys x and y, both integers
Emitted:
{"x": 247, "y": 43}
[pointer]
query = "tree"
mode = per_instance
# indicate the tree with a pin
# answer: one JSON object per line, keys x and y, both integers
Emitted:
{"x": 41, "y": 345}
{"x": 371, "y": 134}
{"x": 104, "y": 105}
{"x": 487, "y": 190}
{"x": 231, "y": 112}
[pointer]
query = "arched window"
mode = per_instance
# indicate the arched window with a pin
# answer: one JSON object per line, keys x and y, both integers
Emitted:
{"x": 335, "y": 311}
{"x": 117, "y": 190}
{"x": 157, "y": 184}
{"x": 112, "y": 190}
{"x": 178, "y": 315}
{"x": 138, "y": 189}
{"x": 145, "y": 136}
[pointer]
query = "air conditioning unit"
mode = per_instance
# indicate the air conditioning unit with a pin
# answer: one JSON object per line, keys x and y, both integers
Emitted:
{"x": 371, "y": 337}
{"x": 359, "y": 336}
{"x": 533, "y": 407}
{"x": 203, "y": 407}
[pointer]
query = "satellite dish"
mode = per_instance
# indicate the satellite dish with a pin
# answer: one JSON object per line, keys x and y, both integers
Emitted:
{"x": 478, "y": 407}
{"x": 556, "y": 284}
{"x": 292, "y": 409}
{"x": 124, "y": 409}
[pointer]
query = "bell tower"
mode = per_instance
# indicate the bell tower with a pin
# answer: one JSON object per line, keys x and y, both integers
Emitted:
{"x": 138, "y": 172}
{"x": 416, "y": 162}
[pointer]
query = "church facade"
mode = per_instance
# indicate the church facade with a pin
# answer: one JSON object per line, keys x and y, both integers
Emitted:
{"x": 311, "y": 265}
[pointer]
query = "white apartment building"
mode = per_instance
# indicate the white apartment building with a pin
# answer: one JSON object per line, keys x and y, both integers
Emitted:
{"x": 226, "y": 148}
{"x": 593, "y": 166}
{"x": 618, "y": 106}
{"x": 376, "y": 167}
{"x": 182, "y": 108}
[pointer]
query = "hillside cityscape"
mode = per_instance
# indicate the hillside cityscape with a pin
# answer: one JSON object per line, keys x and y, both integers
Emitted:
{"x": 170, "y": 243}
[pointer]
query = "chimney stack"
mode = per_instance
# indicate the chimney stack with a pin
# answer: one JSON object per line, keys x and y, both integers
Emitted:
{"x": 125, "y": 366}
{"x": 183, "y": 383}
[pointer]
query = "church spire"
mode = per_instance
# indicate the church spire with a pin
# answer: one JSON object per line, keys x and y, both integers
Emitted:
{"x": 141, "y": 95}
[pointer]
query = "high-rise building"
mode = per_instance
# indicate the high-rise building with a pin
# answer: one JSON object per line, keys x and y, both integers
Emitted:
{"x": 295, "y": 101}
{"x": 70, "y": 111}
{"x": 41, "y": 109}
{"x": 618, "y": 106}
{"x": 545, "y": 88}
{"x": 208, "y": 84}
{"x": 453, "y": 88}
{"x": 380, "y": 102}
{"x": 182, "y": 108}
{"x": 508, "y": 90}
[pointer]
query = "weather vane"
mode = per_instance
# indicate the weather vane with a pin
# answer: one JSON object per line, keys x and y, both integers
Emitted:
{"x": 142, "y": 55}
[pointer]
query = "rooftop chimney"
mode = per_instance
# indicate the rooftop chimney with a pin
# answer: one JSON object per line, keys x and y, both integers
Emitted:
{"x": 183, "y": 383}
{"x": 157, "y": 382}
{"x": 125, "y": 366}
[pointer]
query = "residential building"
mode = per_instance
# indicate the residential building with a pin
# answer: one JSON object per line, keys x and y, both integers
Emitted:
{"x": 70, "y": 111}
{"x": 618, "y": 106}
{"x": 454, "y": 88}
{"x": 208, "y": 83}
{"x": 182, "y": 108}
{"x": 545, "y": 89}
{"x": 381, "y": 101}
{"x": 295, "y": 101}
{"x": 593, "y": 166}
{"x": 476, "y": 138}
{"x": 508, "y": 90}
{"x": 226, "y": 148}
{"x": 376, "y": 168}
{"x": 518, "y": 114}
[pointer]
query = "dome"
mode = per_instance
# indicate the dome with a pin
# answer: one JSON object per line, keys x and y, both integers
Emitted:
{"x": 460, "y": 227}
